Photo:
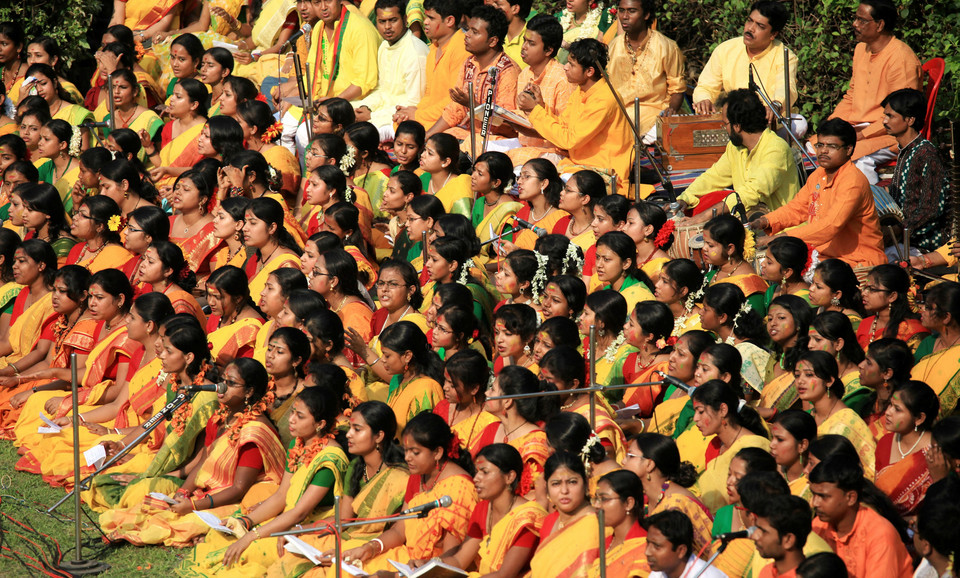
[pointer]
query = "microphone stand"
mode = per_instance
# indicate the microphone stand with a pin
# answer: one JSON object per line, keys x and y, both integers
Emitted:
{"x": 78, "y": 566}
{"x": 602, "y": 549}
{"x": 759, "y": 90}
{"x": 111, "y": 106}
{"x": 308, "y": 93}
{"x": 498, "y": 237}
{"x": 473, "y": 122}
{"x": 302, "y": 91}
{"x": 487, "y": 110}
{"x": 661, "y": 173}
{"x": 723, "y": 546}
{"x": 148, "y": 427}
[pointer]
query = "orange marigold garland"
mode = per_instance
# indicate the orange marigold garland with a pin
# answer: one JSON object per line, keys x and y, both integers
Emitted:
{"x": 180, "y": 417}
{"x": 272, "y": 133}
{"x": 301, "y": 454}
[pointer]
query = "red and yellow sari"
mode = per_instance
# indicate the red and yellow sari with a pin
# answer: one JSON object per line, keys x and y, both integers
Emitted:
{"x": 906, "y": 481}
{"x": 570, "y": 551}
{"x": 910, "y": 332}
{"x": 180, "y": 152}
{"x": 611, "y": 436}
{"x": 184, "y": 302}
{"x": 199, "y": 248}
{"x": 628, "y": 559}
{"x": 141, "y": 14}
{"x": 232, "y": 341}
{"x": 469, "y": 431}
{"x": 520, "y": 523}
{"x": 258, "y": 278}
{"x": 111, "y": 256}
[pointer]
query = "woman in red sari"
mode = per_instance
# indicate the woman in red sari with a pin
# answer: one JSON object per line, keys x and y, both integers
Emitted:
{"x": 465, "y": 379}
{"x": 192, "y": 227}
{"x": 180, "y": 138}
{"x": 885, "y": 298}
{"x": 902, "y": 473}
{"x": 167, "y": 272}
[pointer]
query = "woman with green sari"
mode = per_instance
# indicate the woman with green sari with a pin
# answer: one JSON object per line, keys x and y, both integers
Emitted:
{"x": 938, "y": 356}
{"x": 43, "y": 215}
{"x": 832, "y": 332}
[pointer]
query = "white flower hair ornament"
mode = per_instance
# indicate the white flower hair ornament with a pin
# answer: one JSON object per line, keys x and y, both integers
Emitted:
{"x": 572, "y": 261}
{"x": 610, "y": 353}
{"x": 348, "y": 160}
{"x": 744, "y": 309}
{"x": 593, "y": 440}
{"x": 812, "y": 263}
{"x": 76, "y": 141}
{"x": 465, "y": 271}
{"x": 539, "y": 280}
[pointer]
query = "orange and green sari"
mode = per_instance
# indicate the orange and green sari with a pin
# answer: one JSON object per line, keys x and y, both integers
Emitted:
{"x": 147, "y": 523}
{"x": 456, "y": 195}
{"x": 408, "y": 399}
{"x": 568, "y": 552}
{"x": 752, "y": 285}
{"x": 780, "y": 392}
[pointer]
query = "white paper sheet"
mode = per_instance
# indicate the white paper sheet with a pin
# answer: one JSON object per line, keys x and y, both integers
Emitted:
{"x": 162, "y": 497}
{"x": 50, "y": 427}
{"x": 214, "y": 522}
{"x": 95, "y": 455}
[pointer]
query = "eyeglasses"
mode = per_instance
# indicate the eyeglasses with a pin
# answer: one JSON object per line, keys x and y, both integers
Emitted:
{"x": 318, "y": 273}
{"x": 525, "y": 176}
{"x": 133, "y": 230}
{"x": 311, "y": 153}
{"x": 859, "y": 20}
{"x": 874, "y": 289}
{"x": 598, "y": 501}
{"x": 85, "y": 216}
{"x": 829, "y": 146}
{"x": 441, "y": 329}
{"x": 391, "y": 285}
{"x": 567, "y": 189}
{"x": 229, "y": 383}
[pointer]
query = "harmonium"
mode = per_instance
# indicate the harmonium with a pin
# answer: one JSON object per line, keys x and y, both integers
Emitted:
{"x": 691, "y": 141}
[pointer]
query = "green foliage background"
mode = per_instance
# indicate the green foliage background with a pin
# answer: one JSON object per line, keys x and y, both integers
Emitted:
{"x": 67, "y": 22}
{"x": 821, "y": 33}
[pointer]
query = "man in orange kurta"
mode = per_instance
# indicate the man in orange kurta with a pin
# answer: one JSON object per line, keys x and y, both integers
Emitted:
{"x": 867, "y": 542}
{"x": 881, "y": 65}
{"x": 447, "y": 54}
{"x": 591, "y": 128}
{"x": 483, "y": 39}
{"x": 834, "y": 211}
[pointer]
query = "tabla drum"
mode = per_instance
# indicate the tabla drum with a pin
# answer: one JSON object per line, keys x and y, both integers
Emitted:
{"x": 688, "y": 244}
{"x": 888, "y": 211}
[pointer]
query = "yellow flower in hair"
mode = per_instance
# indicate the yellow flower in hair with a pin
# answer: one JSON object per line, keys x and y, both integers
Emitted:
{"x": 114, "y": 223}
{"x": 749, "y": 246}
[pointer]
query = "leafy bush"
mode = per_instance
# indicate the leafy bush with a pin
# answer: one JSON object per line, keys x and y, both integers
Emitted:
{"x": 821, "y": 33}
{"x": 65, "y": 22}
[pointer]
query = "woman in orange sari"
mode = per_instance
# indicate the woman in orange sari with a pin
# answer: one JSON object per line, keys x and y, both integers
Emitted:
{"x": 180, "y": 138}
{"x": 34, "y": 269}
{"x": 145, "y": 225}
{"x": 260, "y": 131}
{"x": 465, "y": 378}
{"x": 192, "y": 227}
{"x": 343, "y": 220}
{"x": 166, "y": 271}
{"x": 569, "y": 537}
{"x": 273, "y": 246}
{"x": 904, "y": 475}
{"x": 885, "y": 297}
{"x": 121, "y": 181}
{"x": 240, "y": 449}
{"x": 106, "y": 367}
{"x": 97, "y": 225}
{"x": 52, "y": 454}
{"x": 620, "y": 495}
{"x": 335, "y": 278}
{"x": 70, "y": 289}
{"x": 234, "y": 322}
{"x": 540, "y": 187}
{"x": 509, "y": 522}
{"x": 325, "y": 330}
{"x": 648, "y": 329}
{"x": 280, "y": 284}
{"x": 437, "y": 467}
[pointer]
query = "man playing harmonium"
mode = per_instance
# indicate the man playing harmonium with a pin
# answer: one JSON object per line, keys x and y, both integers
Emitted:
{"x": 757, "y": 164}
{"x": 760, "y": 48}
{"x": 834, "y": 211}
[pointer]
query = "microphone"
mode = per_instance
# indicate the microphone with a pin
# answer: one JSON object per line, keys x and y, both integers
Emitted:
{"x": 539, "y": 231}
{"x": 214, "y": 387}
{"x": 751, "y": 84}
{"x": 424, "y": 509}
{"x": 687, "y": 389}
{"x": 492, "y": 75}
{"x": 728, "y": 536}
{"x": 293, "y": 39}
{"x": 94, "y": 124}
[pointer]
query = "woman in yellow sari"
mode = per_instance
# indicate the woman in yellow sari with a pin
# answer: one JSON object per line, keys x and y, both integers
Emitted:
{"x": 648, "y": 226}
{"x": 240, "y": 448}
{"x": 539, "y": 186}
{"x": 192, "y": 227}
{"x": 263, "y": 232}
{"x": 835, "y": 287}
{"x": 127, "y": 484}
{"x": 786, "y": 267}
{"x": 416, "y": 370}
{"x": 665, "y": 479}
{"x": 9, "y": 243}
{"x": 47, "y": 86}
{"x": 832, "y": 332}
{"x": 34, "y": 273}
{"x": 106, "y": 368}
{"x": 280, "y": 284}
{"x": 97, "y": 225}
{"x": 620, "y": 496}
{"x": 164, "y": 269}
{"x": 938, "y": 358}
{"x": 440, "y": 157}
{"x": 569, "y": 537}
{"x": 234, "y": 322}
{"x": 719, "y": 410}
{"x": 677, "y": 285}
{"x": 260, "y": 130}
{"x": 791, "y": 434}
{"x": 51, "y": 455}
{"x": 228, "y": 227}
{"x": 131, "y": 114}
{"x": 465, "y": 378}
{"x": 59, "y": 145}
{"x": 819, "y": 385}
{"x": 730, "y": 249}
{"x": 490, "y": 180}
{"x": 314, "y": 474}
{"x": 509, "y": 522}
{"x": 606, "y": 310}
{"x": 146, "y": 18}
{"x": 45, "y": 50}
{"x": 179, "y": 147}
{"x": 671, "y": 415}
{"x": 437, "y": 467}
{"x": 788, "y": 325}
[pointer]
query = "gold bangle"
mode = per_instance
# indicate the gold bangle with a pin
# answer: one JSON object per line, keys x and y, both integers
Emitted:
{"x": 15, "y": 370}
{"x": 256, "y": 530}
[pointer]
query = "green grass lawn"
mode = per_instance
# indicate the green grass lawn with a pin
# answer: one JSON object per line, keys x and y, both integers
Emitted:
{"x": 25, "y": 498}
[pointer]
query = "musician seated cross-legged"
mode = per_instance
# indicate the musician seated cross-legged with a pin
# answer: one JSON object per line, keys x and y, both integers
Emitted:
{"x": 591, "y": 128}
{"x": 834, "y": 211}
{"x": 760, "y": 48}
{"x": 757, "y": 164}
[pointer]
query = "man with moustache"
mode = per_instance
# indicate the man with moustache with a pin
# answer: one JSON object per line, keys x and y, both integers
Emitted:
{"x": 760, "y": 48}
{"x": 757, "y": 164}
{"x": 834, "y": 211}
{"x": 782, "y": 527}
{"x": 881, "y": 64}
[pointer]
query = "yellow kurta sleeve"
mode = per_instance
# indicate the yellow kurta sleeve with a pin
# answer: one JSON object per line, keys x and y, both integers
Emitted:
{"x": 357, "y": 60}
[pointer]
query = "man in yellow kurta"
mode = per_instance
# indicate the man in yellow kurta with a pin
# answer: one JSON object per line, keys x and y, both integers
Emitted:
{"x": 834, "y": 211}
{"x": 441, "y": 24}
{"x": 517, "y": 12}
{"x": 760, "y": 48}
{"x": 647, "y": 65}
{"x": 881, "y": 65}
{"x": 343, "y": 52}
{"x": 757, "y": 164}
{"x": 543, "y": 38}
{"x": 591, "y": 128}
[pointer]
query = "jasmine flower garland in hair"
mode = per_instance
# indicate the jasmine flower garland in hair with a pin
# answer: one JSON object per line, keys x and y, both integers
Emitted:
{"x": 539, "y": 280}
{"x": 610, "y": 353}
{"x": 744, "y": 309}
{"x": 593, "y": 440}
{"x": 465, "y": 272}
{"x": 76, "y": 141}
{"x": 572, "y": 256}
{"x": 348, "y": 160}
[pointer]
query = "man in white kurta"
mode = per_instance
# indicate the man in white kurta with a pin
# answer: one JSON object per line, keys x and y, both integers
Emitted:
{"x": 402, "y": 62}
